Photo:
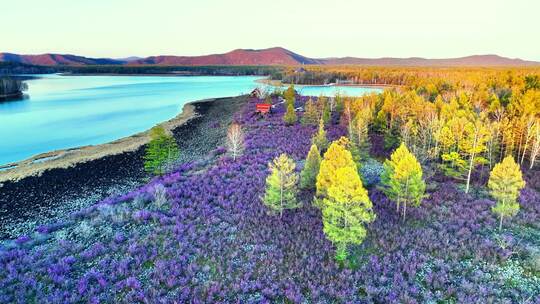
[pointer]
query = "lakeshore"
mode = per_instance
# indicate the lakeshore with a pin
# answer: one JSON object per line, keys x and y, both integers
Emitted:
{"x": 66, "y": 158}
{"x": 278, "y": 83}
{"x": 68, "y": 180}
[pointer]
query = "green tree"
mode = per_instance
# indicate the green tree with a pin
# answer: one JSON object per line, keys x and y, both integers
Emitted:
{"x": 346, "y": 211}
{"x": 320, "y": 138}
{"x": 325, "y": 114}
{"x": 358, "y": 133}
{"x": 340, "y": 104}
{"x": 505, "y": 183}
{"x": 311, "y": 116}
{"x": 290, "y": 117}
{"x": 289, "y": 95}
{"x": 281, "y": 185}
{"x": 160, "y": 151}
{"x": 308, "y": 176}
{"x": 402, "y": 179}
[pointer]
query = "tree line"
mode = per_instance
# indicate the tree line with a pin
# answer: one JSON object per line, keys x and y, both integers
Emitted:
{"x": 11, "y": 87}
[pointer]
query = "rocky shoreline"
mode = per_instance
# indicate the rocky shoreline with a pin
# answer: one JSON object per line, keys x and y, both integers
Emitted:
{"x": 33, "y": 200}
{"x": 70, "y": 157}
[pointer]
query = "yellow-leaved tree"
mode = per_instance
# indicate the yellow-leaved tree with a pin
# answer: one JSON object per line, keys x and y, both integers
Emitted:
{"x": 344, "y": 201}
{"x": 337, "y": 156}
{"x": 505, "y": 183}
{"x": 346, "y": 210}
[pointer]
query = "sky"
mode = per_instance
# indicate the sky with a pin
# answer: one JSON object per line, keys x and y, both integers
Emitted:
{"x": 314, "y": 28}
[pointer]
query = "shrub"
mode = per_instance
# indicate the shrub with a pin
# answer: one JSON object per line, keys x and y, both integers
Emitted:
{"x": 370, "y": 172}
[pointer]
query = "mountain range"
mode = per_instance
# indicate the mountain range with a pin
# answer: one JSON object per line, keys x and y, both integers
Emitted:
{"x": 270, "y": 56}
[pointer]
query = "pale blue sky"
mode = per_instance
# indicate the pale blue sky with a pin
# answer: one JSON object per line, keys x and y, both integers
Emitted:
{"x": 376, "y": 28}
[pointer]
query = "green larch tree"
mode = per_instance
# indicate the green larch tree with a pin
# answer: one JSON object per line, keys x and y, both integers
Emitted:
{"x": 161, "y": 151}
{"x": 311, "y": 115}
{"x": 281, "y": 185}
{"x": 289, "y": 95}
{"x": 402, "y": 179}
{"x": 505, "y": 183}
{"x": 358, "y": 134}
{"x": 308, "y": 176}
{"x": 320, "y": 139}
{"x": 325, "y": 114}
{"x": 290, "y": 116}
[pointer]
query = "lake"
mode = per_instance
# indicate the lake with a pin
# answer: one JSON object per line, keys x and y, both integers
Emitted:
{"x": 71, "y": 111}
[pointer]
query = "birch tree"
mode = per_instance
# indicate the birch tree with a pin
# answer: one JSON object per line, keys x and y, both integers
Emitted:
{"x": 535, "y": 147}
{"x": 235, "y": 140}
{"x": 474, "y": 143}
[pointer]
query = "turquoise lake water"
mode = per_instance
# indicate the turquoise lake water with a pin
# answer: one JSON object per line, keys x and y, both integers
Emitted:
{"x": 71, "y": 111}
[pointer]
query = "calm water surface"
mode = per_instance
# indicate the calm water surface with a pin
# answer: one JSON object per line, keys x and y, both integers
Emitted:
{"x": 70, "y": 111}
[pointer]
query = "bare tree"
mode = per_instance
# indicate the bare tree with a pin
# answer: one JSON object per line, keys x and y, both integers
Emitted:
{"x": 535, "y": 148}
{"x": 235, "y": 140}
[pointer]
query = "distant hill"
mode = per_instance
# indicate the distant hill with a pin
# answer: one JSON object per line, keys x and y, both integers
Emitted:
{"x": 475, "y": 60}
{"x": 271, "y": 56}
{"x": 56, "y": 59}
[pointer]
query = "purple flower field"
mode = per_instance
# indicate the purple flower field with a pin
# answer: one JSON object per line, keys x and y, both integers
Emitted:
{"x": 211, "y": 240}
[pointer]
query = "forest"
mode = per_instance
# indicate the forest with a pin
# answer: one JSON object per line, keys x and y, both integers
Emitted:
{"x": 13, "y": 68}
{"x": 428, "y": 192}
{"x": 179, "y": 70}
{"x": 11, "y": 88}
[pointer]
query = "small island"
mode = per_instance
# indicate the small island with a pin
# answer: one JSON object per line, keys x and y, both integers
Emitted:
{"x": 11, "y": 88}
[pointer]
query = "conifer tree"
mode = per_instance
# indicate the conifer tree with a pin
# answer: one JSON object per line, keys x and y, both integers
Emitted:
{"x": 340, "y": 104}
{"x": 311, "y": 116}
{"x": 505, "y": 183}
{"x": 402, "y": 179}
{"x": 161, "y": 151}
{"x": 290, "y": 117}
{"x": 358, "y": 134}
{"x": 308, "y": 176}
{"x": 281, "y": 185}
{"x": 289, "y": 95}
{"x": 346, "y": 210}
{"x": 336, "y": 157}
{"x": 320, "y": 138}
{"x": 325, "y": 115}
